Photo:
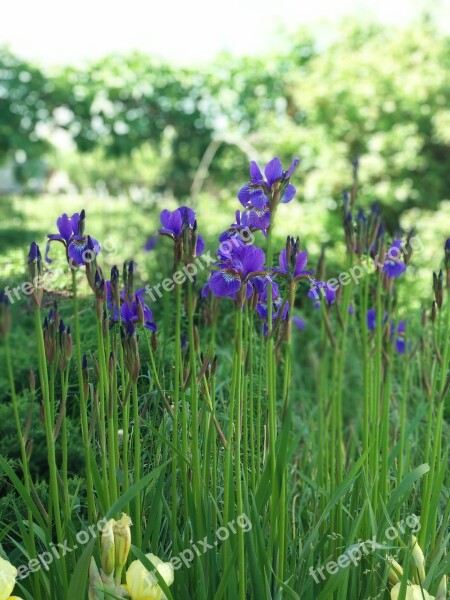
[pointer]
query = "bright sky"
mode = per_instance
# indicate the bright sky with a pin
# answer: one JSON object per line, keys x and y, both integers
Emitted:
{"x": 185, "y": 31}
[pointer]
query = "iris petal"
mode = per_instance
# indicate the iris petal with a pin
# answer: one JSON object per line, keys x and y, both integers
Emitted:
{"x": 289, "y": 193}
{"x": 273, "y": 170}
{"x": 224, "y": 283}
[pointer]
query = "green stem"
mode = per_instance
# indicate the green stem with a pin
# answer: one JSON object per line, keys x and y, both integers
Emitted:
{"x": 83, "y": 406}
{"x": 24, "y": 459}
{"x": 137, "y": 466}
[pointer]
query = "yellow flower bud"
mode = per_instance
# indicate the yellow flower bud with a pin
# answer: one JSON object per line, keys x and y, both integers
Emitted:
{"x": 418, "y": 559}
{"x": 413, "y": 592}
{"x": 122, "y": 541}
{"x": 143, "y": 585}
{"x": 7, "y": 578}
{"x": 442, "y": 589}
{"x": 108, "y": 549}
{"x": 395, "y": 572}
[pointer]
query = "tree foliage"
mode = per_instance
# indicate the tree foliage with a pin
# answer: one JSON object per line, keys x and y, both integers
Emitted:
{"x": 374, "y": 93}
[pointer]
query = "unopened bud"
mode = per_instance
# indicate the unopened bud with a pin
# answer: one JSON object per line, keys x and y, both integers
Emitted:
{"x": 395, "y": 572}
{"x": 5, "y": 315}
{"x": 35, "y": 274}
{"x": 437, "y": 289}
{"x": 442, "y": 589}
{"x": 122, "y": 540}
{"x": 108, "y": 548}
{"x": 418, "y": 559}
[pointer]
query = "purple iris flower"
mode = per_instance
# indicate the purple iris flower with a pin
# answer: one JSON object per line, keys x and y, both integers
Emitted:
{"x": 244, "y": 263}
{"x": 299, "y": 323}
{"x": 174, "y": 222}
{"x": 399, "y": 335}
{"x": 322, "y": 288}
{"x": 371, "y": 319}
{"x": 131, "y": 311}
{"x": 256, "y": 219}
{"x": 151, "y": 243}
{"x": 80, "y": 248}
{"x": 393, "y": 265}
{"x": 257, "y": 192}
{"x": 296, "y": 269}
{"x": 261, "y": 285}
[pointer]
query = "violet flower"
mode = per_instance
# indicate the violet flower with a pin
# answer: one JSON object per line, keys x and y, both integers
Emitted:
{"x": 393, "y": 265}
{"x": 181, "y": 226}
{"x": 71, "y": 234}
{"x": 293, "y": 262}
{"x": 234, "y": 275}
{"x": 258, "y": 192}
{"x": 322, "y": 288}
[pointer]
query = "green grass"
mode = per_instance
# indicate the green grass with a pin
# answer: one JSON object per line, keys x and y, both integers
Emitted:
{"x": 362, "y": 446}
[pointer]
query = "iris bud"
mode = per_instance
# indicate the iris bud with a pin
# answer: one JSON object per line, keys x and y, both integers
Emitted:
{"x": 35, "y": 274}
{"x": 437, "y": 289}
{"x": 108, "y": 548}
{"x": 122, "y": 540}
{"x": 442, "y": 589}
{"x": 395, "y": 572}
{"x": 82, "y": 222}
{"x": 418, "y": 559}
{"x": 5, "y": 315}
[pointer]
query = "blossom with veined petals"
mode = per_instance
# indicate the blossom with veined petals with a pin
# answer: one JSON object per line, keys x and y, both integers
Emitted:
{"x": 79, "y": 247}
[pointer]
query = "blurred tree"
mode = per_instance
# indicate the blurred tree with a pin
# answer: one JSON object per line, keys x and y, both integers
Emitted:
{"x": 24, "y": 111}
{"x": 377, "y": 93}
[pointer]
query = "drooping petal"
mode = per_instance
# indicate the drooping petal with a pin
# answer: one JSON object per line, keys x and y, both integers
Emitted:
{"x": 371, "y": 319}
{"x": 273, "y": 170}
{"x": 400, "y": 345}
{"x": 47, "y": 250}
{"x": 78, "y": 249}
{"x": 204, "y": 292}
{"x": 394, "y": 268}
{"x": 261, "y": 284}
{"x": 252, "y": 196}
{"x": 200, "y": 246}
{"x": 151, "y": 243}
{"x": 298, "y": 322}
{"x": 289, "y": 193}
{"x": 255, "y": 218}
{"x": 224, "y": 283}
